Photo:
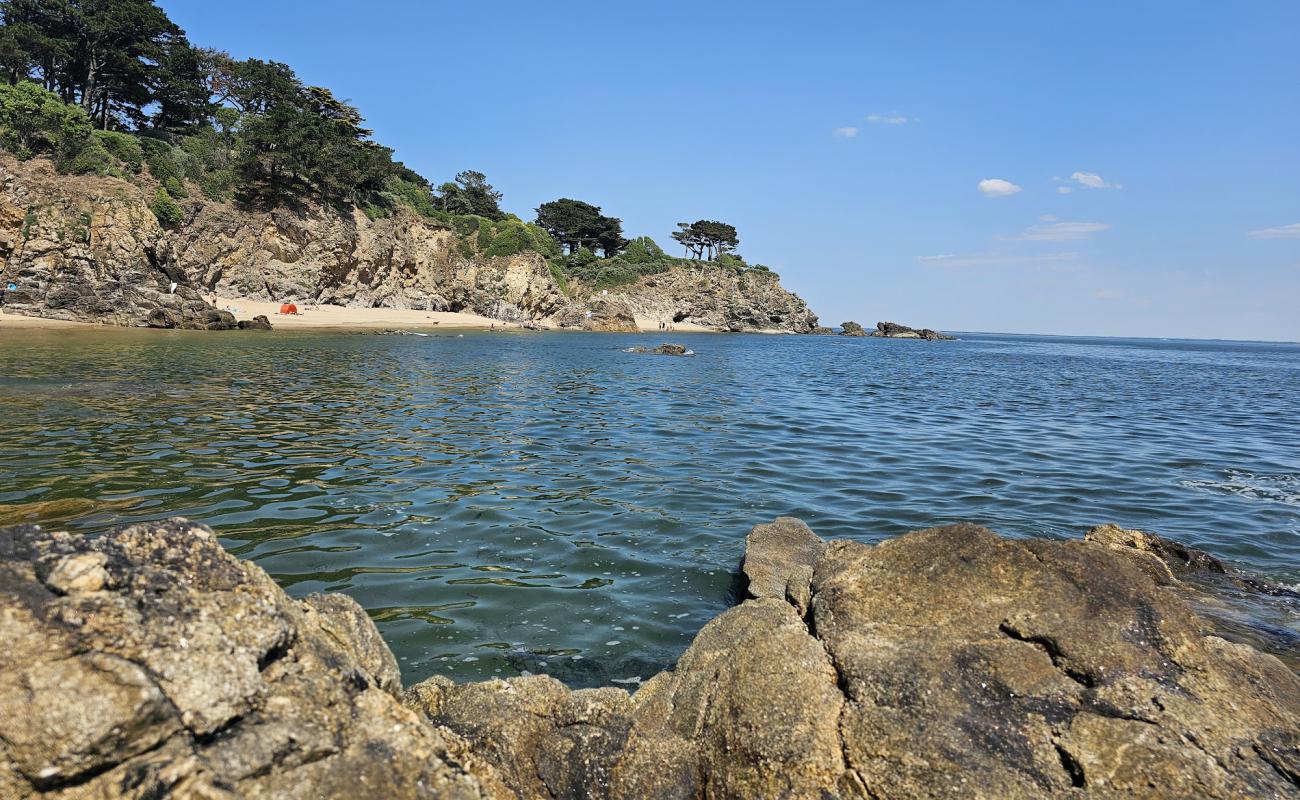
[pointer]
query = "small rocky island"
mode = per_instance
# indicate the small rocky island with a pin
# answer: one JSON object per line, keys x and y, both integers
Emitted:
{"x": 892, "y": 330}
{"x": 948, "y": 662}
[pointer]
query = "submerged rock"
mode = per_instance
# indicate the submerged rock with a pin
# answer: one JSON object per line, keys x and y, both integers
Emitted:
{"x": 892, "y": 330}
{"x": 949, "y": 662}
{"x": 258, "y": 323}
{"x": 663, "y": 350}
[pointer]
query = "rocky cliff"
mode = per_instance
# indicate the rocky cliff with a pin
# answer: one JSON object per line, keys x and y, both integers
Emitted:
{"x": 945, "y": 663}
{"x": 717, "y": 297}
{"x": 89, "y": 248}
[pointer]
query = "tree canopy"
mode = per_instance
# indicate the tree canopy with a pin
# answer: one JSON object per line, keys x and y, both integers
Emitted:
{"x": 577, "y": 225}
{"x": 115, "y": 87}
{"x": 470, "y": 193}
{"x": 706, "y": 238}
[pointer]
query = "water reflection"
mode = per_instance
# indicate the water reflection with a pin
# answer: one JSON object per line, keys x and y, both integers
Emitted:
{"x": 550, "y": 503}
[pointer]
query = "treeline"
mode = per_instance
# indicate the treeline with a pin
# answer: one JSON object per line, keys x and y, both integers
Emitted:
{"x": 114, "y": 87}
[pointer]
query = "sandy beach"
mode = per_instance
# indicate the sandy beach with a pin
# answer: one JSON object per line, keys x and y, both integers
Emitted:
{"x": 326, "y": 316}
{"x": 8, "y": 320}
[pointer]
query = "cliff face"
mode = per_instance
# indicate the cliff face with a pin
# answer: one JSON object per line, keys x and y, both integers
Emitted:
{"x": 89, "y": 248}
{"x": 348, "y": 259}
{"x": 717, "y": 297}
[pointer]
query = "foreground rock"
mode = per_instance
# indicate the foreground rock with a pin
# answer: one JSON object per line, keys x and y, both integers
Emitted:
{"x": 150, "y": 663}
{"x": 892, "y": 330}
{"x": 945, "y": 663}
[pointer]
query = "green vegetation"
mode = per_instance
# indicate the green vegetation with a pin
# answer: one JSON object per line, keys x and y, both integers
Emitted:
{"x": 706, "y": 237}
{"x": 578, "y": 225}
{"x": 114, "y": 87}
{"x": 165, "y": 209}
{"x": 642, "y": 257}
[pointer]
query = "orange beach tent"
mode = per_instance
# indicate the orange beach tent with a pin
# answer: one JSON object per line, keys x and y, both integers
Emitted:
{"x": 288, "y": 308}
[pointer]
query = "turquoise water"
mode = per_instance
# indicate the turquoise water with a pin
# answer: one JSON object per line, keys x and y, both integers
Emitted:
{"x": 548, "y": 502}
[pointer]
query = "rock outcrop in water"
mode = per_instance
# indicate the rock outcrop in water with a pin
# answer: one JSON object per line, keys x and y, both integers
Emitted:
{"x": 892, "y": 330}
{"x": 89, "y": 248}
{"x": 945, "y": 663}
{"x": 851, "y": 329}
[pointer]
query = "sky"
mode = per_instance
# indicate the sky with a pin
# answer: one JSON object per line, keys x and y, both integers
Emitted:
{"x": 1100, "y": 168}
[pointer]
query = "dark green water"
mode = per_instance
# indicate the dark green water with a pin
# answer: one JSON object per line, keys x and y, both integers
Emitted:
{"x": 548, "y": 502}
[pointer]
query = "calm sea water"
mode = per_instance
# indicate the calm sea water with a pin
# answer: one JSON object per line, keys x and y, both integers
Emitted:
{"x": 548, "y": 502}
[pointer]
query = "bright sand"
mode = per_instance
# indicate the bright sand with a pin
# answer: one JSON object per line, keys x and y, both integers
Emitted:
{"x": 326, "y": 316}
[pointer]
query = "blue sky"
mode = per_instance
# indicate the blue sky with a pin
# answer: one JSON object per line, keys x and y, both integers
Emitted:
{"x": 1140, "y": 160}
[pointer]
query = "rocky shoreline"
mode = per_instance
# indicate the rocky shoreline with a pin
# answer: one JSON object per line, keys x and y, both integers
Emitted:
{"x": 949, "y": 662}
{"x": 88, "y": 248}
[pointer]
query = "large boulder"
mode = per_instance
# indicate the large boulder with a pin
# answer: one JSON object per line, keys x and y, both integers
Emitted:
{"x": 150, "y": 663}
{"x": 851, "y": 329}
{"x": 949, "y": 662}
{"x": 600, "y": 314}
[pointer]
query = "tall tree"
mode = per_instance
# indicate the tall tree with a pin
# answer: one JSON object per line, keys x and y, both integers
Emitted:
{"x": 577, "y": 225}
{"x": 706, "y": 238}
{"x": 470, "y": 193}
{"x": 106, "y": 55}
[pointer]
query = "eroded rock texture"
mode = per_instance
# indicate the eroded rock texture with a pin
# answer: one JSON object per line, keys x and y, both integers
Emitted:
{"x": 717, "y": 297}
{"x": 945, "y": 663}
{"x": 150, "y": 663}
{"x": 89, "y": 249}
{"x": 948, "y": 662}
{"x": 892, "y": 330}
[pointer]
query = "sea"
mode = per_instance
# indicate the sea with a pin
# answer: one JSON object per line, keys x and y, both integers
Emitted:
{"x": 515, "y": 503}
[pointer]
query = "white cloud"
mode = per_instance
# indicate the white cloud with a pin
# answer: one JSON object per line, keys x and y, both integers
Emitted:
{"x": 1047, "y": 217}
{"x": 996, "y": 187}
{"x": 888, "y": 119}
{"x": 1291, "y": 231}
{"x": 1062, "y": 231}
{"x": 1093, "y": 181}
{"x": 998, "y": 260}
{"x": 1064, "y": 189}
{"x": 845, "y": 133}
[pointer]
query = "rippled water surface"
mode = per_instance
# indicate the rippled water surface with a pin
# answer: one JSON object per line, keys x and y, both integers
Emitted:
{"x": 548, "y": 502}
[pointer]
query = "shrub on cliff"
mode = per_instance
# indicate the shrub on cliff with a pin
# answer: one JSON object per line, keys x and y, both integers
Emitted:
{"x": 165, "y": 209}
{"x": 36, "y": 122}
{"x": 642, "y": 250}
{"x": 124, "y": 147}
